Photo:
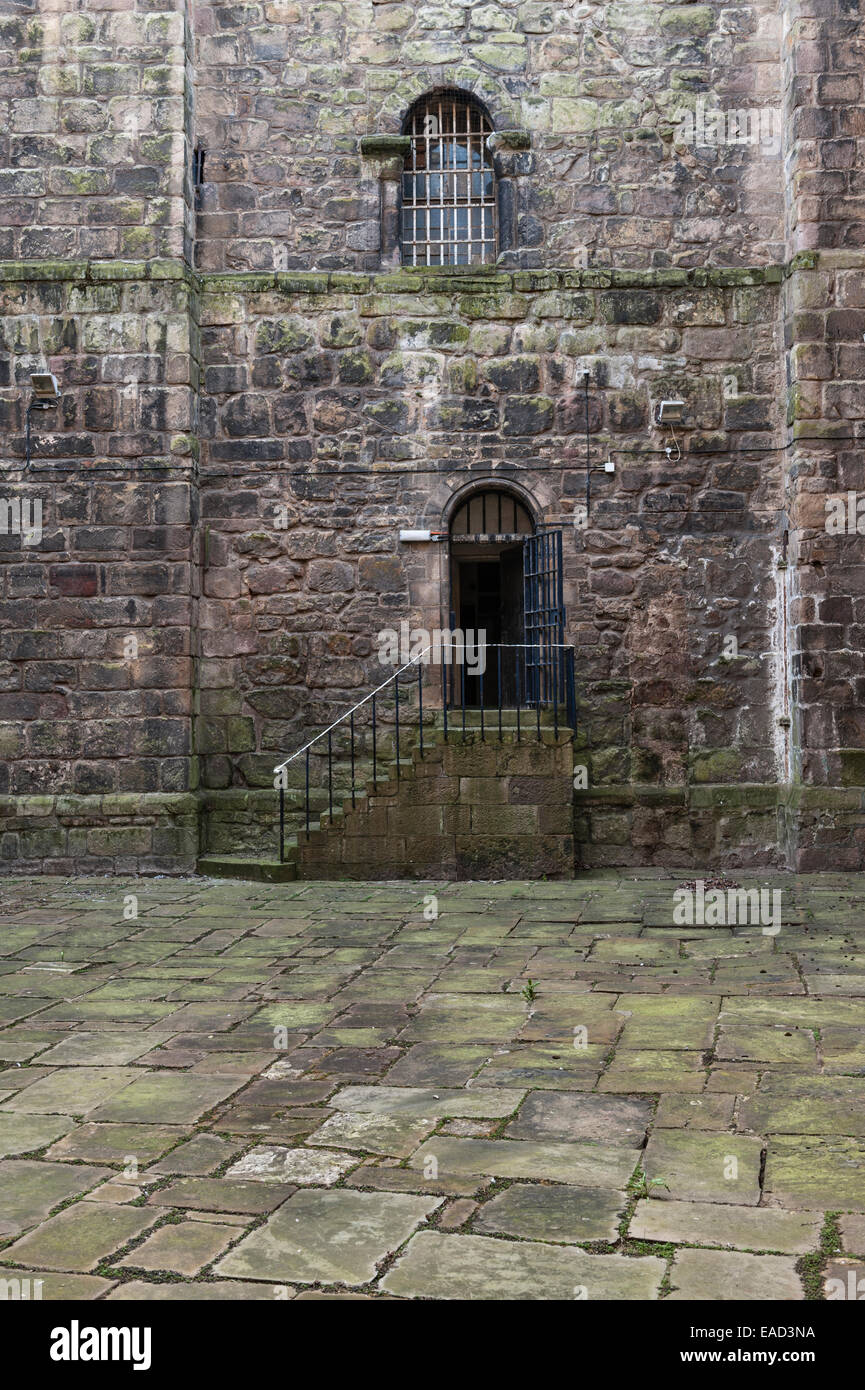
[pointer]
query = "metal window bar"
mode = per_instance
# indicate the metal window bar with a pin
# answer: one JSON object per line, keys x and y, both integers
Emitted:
{"x": 469, "y": 521}
{"x": 448, "y": 214}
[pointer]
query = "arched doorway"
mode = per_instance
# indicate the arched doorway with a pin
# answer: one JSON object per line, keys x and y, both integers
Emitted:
{"x": 487, "y": 537}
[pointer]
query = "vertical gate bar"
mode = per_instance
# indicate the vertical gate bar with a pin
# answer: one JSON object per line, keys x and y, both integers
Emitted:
{"x": 551, "y": 618}
{"x": 281, "y": 818}
{"x": 547, "y": 603}
{"x": 555, "y": 691}
{"x": 330, "y": 774}
{"x": 561, "y": 607}
{"x": 307, "y": 793}
{"x": 420, "y": 705}
{"x": 352, "y": 759}
{"x": 374, "y": 760}
{"x": 445, "y": 694}
{"x": 481, "y": 674}
{"x": 544, "y": 606}
{"x": 539, "y": 619}
{"x": 531, "y": 673}
{"x": 588, "y": 449}
{"x": 463, "y": 689}
{"x": 530, "y": 555}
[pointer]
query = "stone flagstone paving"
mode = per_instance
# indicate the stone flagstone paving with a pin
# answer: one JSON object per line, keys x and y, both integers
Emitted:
{"x": 435, "y": 1091}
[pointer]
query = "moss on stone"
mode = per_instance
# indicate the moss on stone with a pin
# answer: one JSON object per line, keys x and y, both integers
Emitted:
{"x": 719, "y": 766}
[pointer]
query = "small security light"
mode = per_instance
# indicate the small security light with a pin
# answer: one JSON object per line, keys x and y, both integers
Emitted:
{"x": 670, "y": 413}
{"x": 45, "y": 394}
{"x": 46, "y": 390}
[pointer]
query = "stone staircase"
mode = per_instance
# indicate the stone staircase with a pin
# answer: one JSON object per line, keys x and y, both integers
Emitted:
{"x": 491, "y": 804}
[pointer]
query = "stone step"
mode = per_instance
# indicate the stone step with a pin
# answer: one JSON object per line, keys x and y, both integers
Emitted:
{"x": 255, "y": 869}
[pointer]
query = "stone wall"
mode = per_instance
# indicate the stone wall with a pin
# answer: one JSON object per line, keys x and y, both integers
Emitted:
{"x": 98, "y": 617}
{"x": 350, "y": 407}
{"x": 333, "y": 402}
{"x": 124, "y": 833}
{"x": 95, "y": 115}
{"x": 465, "y": 809}
{"x": 824, "y": 310}
{"x": 285, "y": 88}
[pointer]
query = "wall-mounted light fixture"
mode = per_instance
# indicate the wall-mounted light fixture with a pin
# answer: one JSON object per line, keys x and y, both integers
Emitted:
{"x": 45, "y": 394}
{"x": 671, "y": 413}
{"x": 46, "y": 391}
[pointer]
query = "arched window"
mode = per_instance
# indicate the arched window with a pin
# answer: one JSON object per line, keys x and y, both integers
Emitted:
{"x": 448, "y": 184}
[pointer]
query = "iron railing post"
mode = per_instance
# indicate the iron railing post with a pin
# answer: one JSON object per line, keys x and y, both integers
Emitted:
{"x": 499, "y": 680}
{"x": 374, "y": 754}
{"x": 519, "y": 693}
{"x": 352, "y": 758}
{"x": 396, "y": 699}
{"x": 330, "y": 774}
{"x": 420, "y": 706}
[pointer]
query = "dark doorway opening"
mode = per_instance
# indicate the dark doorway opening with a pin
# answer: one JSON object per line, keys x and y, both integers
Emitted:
{"x": 487, "y": 594}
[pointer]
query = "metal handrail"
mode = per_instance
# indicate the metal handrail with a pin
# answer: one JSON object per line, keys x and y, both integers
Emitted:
{"x": 556, "y": 688}
{"x": 348, "y": 713}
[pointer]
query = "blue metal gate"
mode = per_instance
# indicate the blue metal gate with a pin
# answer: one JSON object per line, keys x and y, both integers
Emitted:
{"x": 549, "y": 672}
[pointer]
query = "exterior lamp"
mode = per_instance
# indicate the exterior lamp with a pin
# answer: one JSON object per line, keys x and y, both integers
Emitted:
{"x": 45, "y": 394}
